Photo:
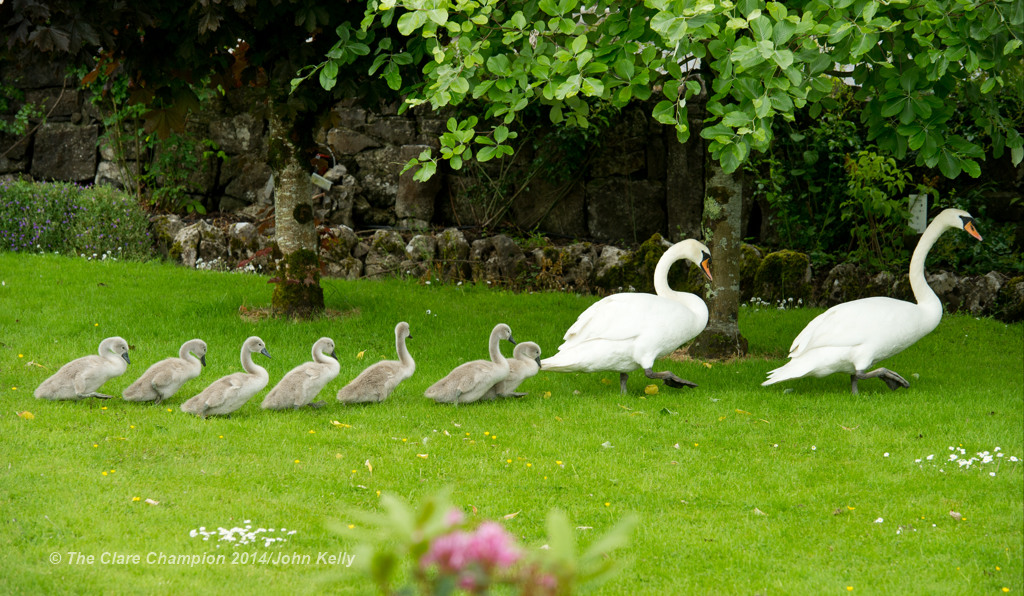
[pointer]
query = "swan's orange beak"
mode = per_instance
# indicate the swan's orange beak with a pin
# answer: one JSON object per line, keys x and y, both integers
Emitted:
{"x": 705, "y": 266}
{"x": 970, "y": 229}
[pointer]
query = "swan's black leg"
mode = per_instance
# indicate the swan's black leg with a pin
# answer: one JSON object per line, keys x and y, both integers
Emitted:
{"x": 892, "y": 379}
{"x": 623, "y": 377}
{"x": 853, "y": 383}
{"x": 669, "y": 377}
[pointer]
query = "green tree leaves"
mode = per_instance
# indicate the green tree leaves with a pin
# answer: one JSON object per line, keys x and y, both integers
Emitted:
{"x": 762, "y": 60}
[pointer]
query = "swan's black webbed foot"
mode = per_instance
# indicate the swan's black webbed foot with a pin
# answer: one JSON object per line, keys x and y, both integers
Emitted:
{"x": 892, "y": 379}
{"x": 670, "y": 378}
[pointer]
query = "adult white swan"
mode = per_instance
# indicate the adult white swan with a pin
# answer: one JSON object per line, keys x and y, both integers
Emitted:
{"x": 852, "y": 336}
{"x": 624, "y": 332}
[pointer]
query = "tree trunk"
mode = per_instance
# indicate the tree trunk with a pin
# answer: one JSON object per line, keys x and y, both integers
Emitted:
{"x": 297, "y": 291}
{"x": 723, "y": 216}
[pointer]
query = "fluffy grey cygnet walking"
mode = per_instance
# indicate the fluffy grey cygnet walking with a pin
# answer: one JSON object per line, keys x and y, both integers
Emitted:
{"x": 82, "y": 378}
{"x": 378, "y": 380}
{"x": 227, "y": 394}
{"x": 301, "y": 385}
{"x": 468, "y": 382}
{"x": 165, "y": 378}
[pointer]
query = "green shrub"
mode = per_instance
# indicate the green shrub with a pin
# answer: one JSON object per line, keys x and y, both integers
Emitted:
{"x": 94, "y": 222}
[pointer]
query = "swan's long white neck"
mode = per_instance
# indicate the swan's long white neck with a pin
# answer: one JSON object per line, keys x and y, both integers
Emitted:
{"x": 661, "y": 288}
{"x": 320, "y": 356}
{"x": 923, "y": 293}
{"x": 403, "y": 352}
{"x": 494, "y": 346}
{"x": 251, "y": 367}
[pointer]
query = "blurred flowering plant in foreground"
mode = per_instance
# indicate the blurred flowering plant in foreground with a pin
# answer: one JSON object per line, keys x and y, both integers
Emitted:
{"x": 432, "y": 548}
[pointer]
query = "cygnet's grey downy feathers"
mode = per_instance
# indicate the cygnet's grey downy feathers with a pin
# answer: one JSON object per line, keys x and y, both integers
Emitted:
{"x": 468, "y": 382}
{"x": 303, "y": 383}
{"x": 82, "y": 378}
{"x": 163, "y": 379}
{"x": 227, "y": 394}
{"x": 377, "y": 381}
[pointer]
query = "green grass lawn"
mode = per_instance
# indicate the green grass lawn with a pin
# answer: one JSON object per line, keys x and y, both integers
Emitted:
{"x": 798, "y": 488}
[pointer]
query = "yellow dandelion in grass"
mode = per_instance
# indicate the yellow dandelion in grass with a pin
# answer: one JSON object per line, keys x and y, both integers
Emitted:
{"x": 1005, "y": 589}
{"x": 103, "y": 407}
{"x": 104, "y": 473}
{"x": 545, "y": 478}
{"x": 136, "y": 499}
{"x": 850, "y": 508}
{"x": 422, "y": 455}
{"x": 21, "y": 355}
{"x": 298, "y": 461}
{"x": 95, "y": 445}
{"x": 132, "y": 426}
{"x": 351, "y": 526}
{"x": 486, "y": 433}
{"x": 359, "y": 356}
{"x": 508, "y": 461}
{"x": 95, "y": 324}
{"x": 14, "y": 388}
{"x": 493, "y": 437}
{"x": 27, "y": 415}
{"x": 546, "y": 394}
{"x": 405, "y": 440}
{"x": 696, "y": 444}
{"x": 529, "y": 465}
{"x": 849, "y": 588}
{"x": 651, "y": 389}
{"x": 607, "y": 504}
{"x": 312, "y": 432}
{"x": 220, "y": 436}
{"x": 169, "y": 410}
{"x": 353, "y": 471}
{"x": 112, "y": 471}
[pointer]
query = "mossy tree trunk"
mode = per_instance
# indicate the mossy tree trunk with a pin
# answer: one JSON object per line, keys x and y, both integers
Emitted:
{"x": 297, "y": 291}
{"x": 723, "y": 209}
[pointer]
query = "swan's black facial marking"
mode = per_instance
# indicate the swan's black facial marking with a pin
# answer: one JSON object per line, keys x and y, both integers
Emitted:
{"x": 969, "y": 227}
{"x": 705, "y": 264}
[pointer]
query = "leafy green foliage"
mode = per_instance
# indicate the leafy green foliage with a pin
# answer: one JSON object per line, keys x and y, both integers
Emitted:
{"x": 157, "y": 169}
{"x": 94, "y": 222}
{"x": 19, "y": 120}
{"x": 876, "y": 210}
{"x": 761, "y": 60}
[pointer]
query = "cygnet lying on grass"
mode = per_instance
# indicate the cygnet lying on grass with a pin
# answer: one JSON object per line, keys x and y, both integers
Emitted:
{"x": 377, "y": 381}
{"x": 81, "y": 378}
{"x": 470, "y": 381}
{"x": 301, "y": 385}
{"x": 163, "y": 379}
{"x": 227, "y": 394}
{"x": 525, "y": 363}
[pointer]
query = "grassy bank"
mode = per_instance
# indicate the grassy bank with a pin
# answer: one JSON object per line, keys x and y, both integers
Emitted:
{"x": 739, "y": 488}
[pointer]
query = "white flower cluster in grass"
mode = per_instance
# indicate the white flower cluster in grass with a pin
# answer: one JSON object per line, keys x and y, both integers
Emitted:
{"x": 781, "y": 304}
{"x": 242, "y": 536}
{"x": 958, "y": 455}
{"x": 97, "y": 256}
{"x": 215, "y": 265}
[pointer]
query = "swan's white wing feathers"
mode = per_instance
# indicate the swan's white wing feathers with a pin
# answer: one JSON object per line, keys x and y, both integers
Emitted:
{"x": 884, "y": 324}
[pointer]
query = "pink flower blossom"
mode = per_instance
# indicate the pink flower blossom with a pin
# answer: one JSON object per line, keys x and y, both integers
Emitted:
{"x": 473, "y": 556}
